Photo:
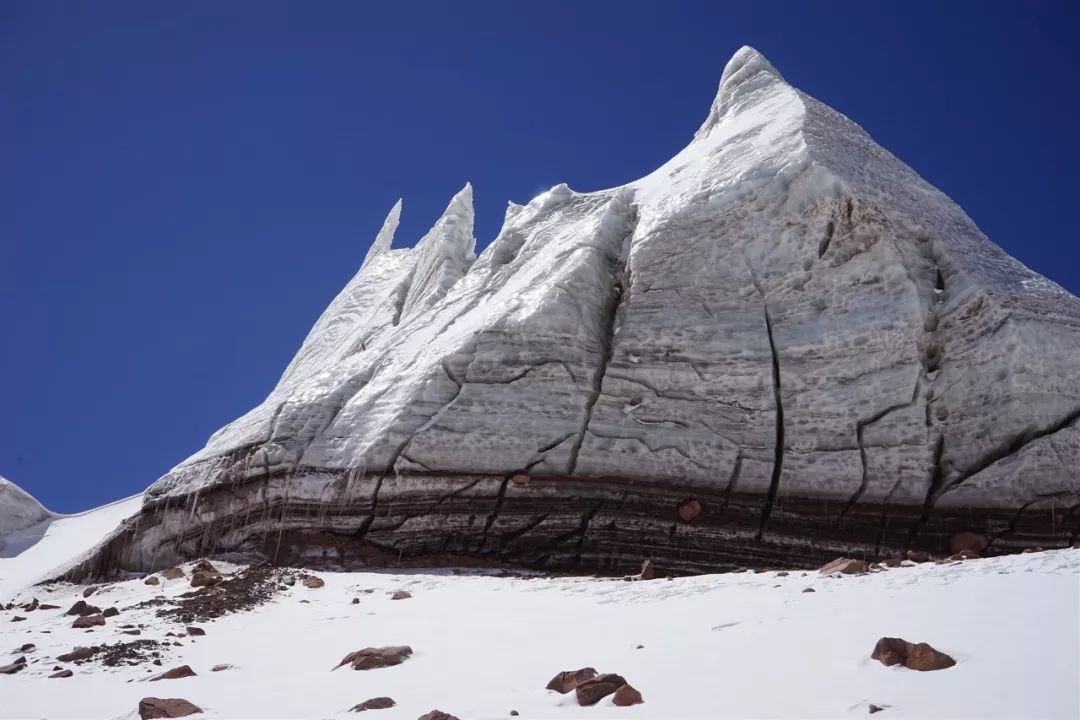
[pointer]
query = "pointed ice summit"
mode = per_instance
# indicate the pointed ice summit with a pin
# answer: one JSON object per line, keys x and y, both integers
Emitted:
{"x": 780, "y": 346}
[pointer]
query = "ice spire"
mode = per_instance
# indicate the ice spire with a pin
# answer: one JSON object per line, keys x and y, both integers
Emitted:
{"x": 443, "y": 255}
{"x": 386, "y": 234}
{"x": 746, "y": 71}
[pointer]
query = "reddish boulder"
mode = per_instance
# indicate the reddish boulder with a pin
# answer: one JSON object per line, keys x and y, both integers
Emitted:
{"x": 568, "y": 680}
{"x": 915, "y": 656}
{"x": 82, "y": 609}
{"x": 313, "y": 582}
{"x": 375, "y": 703}
{"x": 175, "y": 673}
{"x": 151, "y": 707}
{"x": 437, "y": 715}
{"x": 62, "y": 674}
{"x": 970, "y": 541}
{"x": 376, "y": 657}
{"x": 172, "y": 573}
{"x": 595, "y": 689}
{"x": 648, "y": 572}
{"x": 401, "y": 595}
{"x": 847, "y": 566}
{"x": 110, "y": 612}
{"x": 689, "y": 510}
{"x": 79, "y": 653}
{"x": 87, "y": 621}
{"x": 627, "y": 695}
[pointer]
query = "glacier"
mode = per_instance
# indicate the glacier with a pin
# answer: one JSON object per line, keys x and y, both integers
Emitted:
{"x": 784, "y": 322}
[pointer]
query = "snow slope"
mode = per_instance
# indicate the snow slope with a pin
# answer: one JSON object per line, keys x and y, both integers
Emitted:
{"x": 716, "y": 646}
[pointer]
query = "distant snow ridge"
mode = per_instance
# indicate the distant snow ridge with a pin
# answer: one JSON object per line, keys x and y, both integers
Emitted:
{"x": 784, "y": 323}
{"x": 18, "y": 509}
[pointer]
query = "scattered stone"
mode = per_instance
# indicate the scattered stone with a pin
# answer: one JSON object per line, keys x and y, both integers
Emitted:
{"x": 520, "y": 479}
{"x": 847, "y": 566}
{"x": 915, "y": 656}
{"x": 639, "y": 647}
{"x": 806, "y": 590}
{"x": 26, "y": 648}
{"x": 782, "y": 573}
{"x": 648, "y": 572}
{"x": 62, "y": 674}
{"x": 627, "y": 695}
{"x": 689, "y": 510}
{"x": 31, "y": 606}
{"x": 205, "y": 566}
{"x": 89, "y": 591}
{"x": 970, "y": 541}
{"x": 874, "y": 708}
{"x": 965, "y": 555}
{"x": 152, "y": 580}
{"x": 131, "y": 632}
{"x": 14, "y": 667}
{"x": 219, "y": 668}
{"x": 376, "y": 657}
{"x": 595, "y": 689}
{"x": 17, "y": 618}
{"x": 288, "y": 580}
{"x": 375, "y": 703}
{"x": 152, "y": 707}
{"x": 891, "y": 562}
{"x": 79, "y": 653}
{"x": 195, "y": 631}
{"x": 514, "y": 713}
{"x": 437, "y": 715}
{"x": 172, "y": 573}
{"x": 917, "y": 557}
{"x": 313, "y": 582}
{"x": 401, "y": 595}
{"x": 46, "y": 606}
{"x": 203, "y": 578}
{"x": 568, "y": 680}
{"x": 87, "y": 621}
{"x": 356, "y": 601}
{"x": 175, "y": 673}
{"x": 110, "y": 612}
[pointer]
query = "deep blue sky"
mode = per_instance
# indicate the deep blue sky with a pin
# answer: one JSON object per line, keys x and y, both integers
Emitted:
{"x": 184, "y": 187}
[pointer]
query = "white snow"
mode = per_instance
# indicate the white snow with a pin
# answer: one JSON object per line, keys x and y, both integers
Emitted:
{"x": 716, "y": 646}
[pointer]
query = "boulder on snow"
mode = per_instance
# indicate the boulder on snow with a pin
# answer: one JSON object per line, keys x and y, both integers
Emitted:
{"x": 915, "y": 656}
{"x": 14, "y": 667}
{"x": 195, "y": 631}
{"x": 648, "y": 572}
{"x": 82, "y": 609}
{"x": 151, "y": 580}
{"x": 152, "y": 707}
{"x": 968, "y": 541}
{"x": 79, "y": 653}
{"x": 175, "y": 673}
{"x": 595, "y": 689}
{"x": 375, "y": 703}
{"x": 205, "y": 566}
{"x": 627, "y": 695}
{"x": 437, "y": 715}
{"x": 689, "y": 510}
{"x": 110, "y": 612}
{"x": 88, "y": 621}
{"x": 172, "y": 573}
{"x": 313, "y": 582}
{"x": 219, "y": 668}
{"x": 205, "y": 578}
{"x": 66, "y": 673}
{"x": 568, "y": 680}
{"x": 847, "y": 566}
{"x": 89, "y": 591}
{"x": 401, "y": 595}
{"x": 376, "y": 657}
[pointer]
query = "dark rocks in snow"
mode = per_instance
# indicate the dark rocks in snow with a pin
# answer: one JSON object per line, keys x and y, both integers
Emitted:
{"x": 401, "y": 595}
{"x": 110, "y": 612}
{"x": 219, "y": 668}
{"x": 27, "y": 647}
{"x": 595, "y": 689}
{"x": 809, "y": 589}
{"x": 195, "y": 631}
{"x": 88, "y": 621}
{"x": 131, "y": 632}
{"x": 875, "y": 708}
{"x": 79, "y": 653}
{"x": 151, "y": 707}
{"x": 82, "y": 609}
{"x": 175, "y": 673}
{"x": 89, "y": 591}
{"x": 375, "y": 703}
{"x": 47, "y": 606}
{"x": 172, "y": 573}
{"x": 66, "y": 673}
{"x": 915, "y": 656}
{"x": 356, "y": 601}
{"x": 846, "y": 566}
{"x": 568, "y": 680}
{"x": 31, "y": 606}
{"x": 17, "y": 618}
{"x": 376, "y": 657}
{"x": 204, "y": 578}
{"x": 627, "y": 695}
{"x": 437, "y": 715}
{"x": 14, "y": 667}
{"x": 648, "y": 571}
{"x": 204, "y": 566}
{"x": 313, "y": 582}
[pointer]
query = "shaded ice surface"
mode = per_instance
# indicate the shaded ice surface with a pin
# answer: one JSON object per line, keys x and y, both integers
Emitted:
{"x": 21, "y": 517}
{"x": 783, "y": 311}
{"x": 714, "y": 646}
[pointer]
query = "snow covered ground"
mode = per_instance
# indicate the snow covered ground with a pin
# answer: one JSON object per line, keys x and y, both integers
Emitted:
{"x": 732, "y": 646}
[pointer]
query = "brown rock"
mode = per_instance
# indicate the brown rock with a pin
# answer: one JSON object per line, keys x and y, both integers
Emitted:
{"x": 79, "y": 653}
{"x": 313, "y": 582}
{"x": 17, "y": 618}
{"x": 401, "y": 595}
{"x": 437, "y": 715}
{"x": 87, "y": 621}
{"x": 195, "y": 631}
{"x": 594, "y": 690}
{"x": 131, "y": 632}
{"x": 689, "y": 510}
{"x": 31, "y": 606}
{"x": 919, "y": 557}
{"x": 568, "y": 680}
{"x": 626, "y": 696}
{"x": 110, "y": 612}
{"x": 204, "y": 578}
{"x": 14, "y": 667}
{"x": 376, "y": 657}
{"x": 520, "y": 479}
{"x": 875, "y": 709}
{"x": 356, "y": 601}
{"x": 965, "y": 555}
{"x": 152, "y": 580}
{"x": 915, "y": 656}
{"x": 172, "y": 573}
{"x": 648, "y": 572}
{"x": 89, "y": 591}
{"x": 46, "y": 606}
{"x": 847, "y": 566}
{"x": 806, "y": 590}
{"x": 152, "y": 707}
{"x": 514, "y": 713}
{"x": 205, "y": 566}
{"x": 971, "y": 541}
{"x": 375, "y": 703}
{"x": 62, "y": 674}
{"x": 82, "y": 609}
{"x": 219, "y": 668}
{"x": 891, "y": 562}
{"x": 175, "y": 673}
{"x": 26, "y": 647}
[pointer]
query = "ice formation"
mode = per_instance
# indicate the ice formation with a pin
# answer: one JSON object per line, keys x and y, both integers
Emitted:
{"x": 784, "y": 322}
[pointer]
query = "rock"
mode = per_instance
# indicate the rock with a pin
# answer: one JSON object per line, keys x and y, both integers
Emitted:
{"x": 31, "y": 606}
{"x": 916, "y": 656}
{"x": 375, "y": 703}
{"x": 288, "y": 580}
{"x": 782, "y": 573}
{"x": 847, "y": 566}
{"x": 968, "y": 541}
{"x": 595, "y": 689}
{"x": 88, "y": 621}
{"x": 648, "y": 572}
{"x": 626, "y": 696}
{"x": 46, "y": 606}
{"x": 110, "y": 612}
{"x": 62, "y": 674}
{"x": 809, "y": 589}
{"x": 520, "y": 479}
{"x": 689, "y": 510}
{"x": 17, "y": 618}
{"x": 14, "y": 667}
{"x": 514, "y": 713}
{"x": 205, "y": 566}
{"x": 376, "y": 657}
{"x": 175, "y": 673}
{"x": 401, "y": 595}
{"x": 964, "y": 555}
{"x": 89, "y": 591}
{"x": 152, "y": 580}
{"x": 131, "y": 632}
{"x": 195, "y": 631}
{"x": 219, "y": 668}
{"x": 313, "y": 582}
{"x": 356, "y": 601}
{"x": 82, "y": 609}
{"x": 204, "y": 578}
{"x": 172, "y": 573}
{"x": 79, "y": 653}
{"x": 917, "y": 557}
{"x": 875, "y": 709}
{"x": 891, "y": 562}
{"x": 437, "y": 715}
{"x": 27, "y": 647}
{"x": 152, "y": 707}
{"x": 568, "y": 680}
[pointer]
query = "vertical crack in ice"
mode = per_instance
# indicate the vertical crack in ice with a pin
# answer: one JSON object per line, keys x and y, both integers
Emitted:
{"x": 778, "y": 446}
{"x": 494, "y": 512}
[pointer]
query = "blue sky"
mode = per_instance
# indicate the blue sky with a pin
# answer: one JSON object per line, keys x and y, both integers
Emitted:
{"x": 185, "y": 186}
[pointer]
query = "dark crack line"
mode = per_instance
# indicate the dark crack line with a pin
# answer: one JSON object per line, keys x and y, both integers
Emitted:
{"x": 499, "y": 498}
{"x": 778, "y": 449}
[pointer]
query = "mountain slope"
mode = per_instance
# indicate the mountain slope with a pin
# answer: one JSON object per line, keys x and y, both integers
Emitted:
{"x": 783, "y": 328}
